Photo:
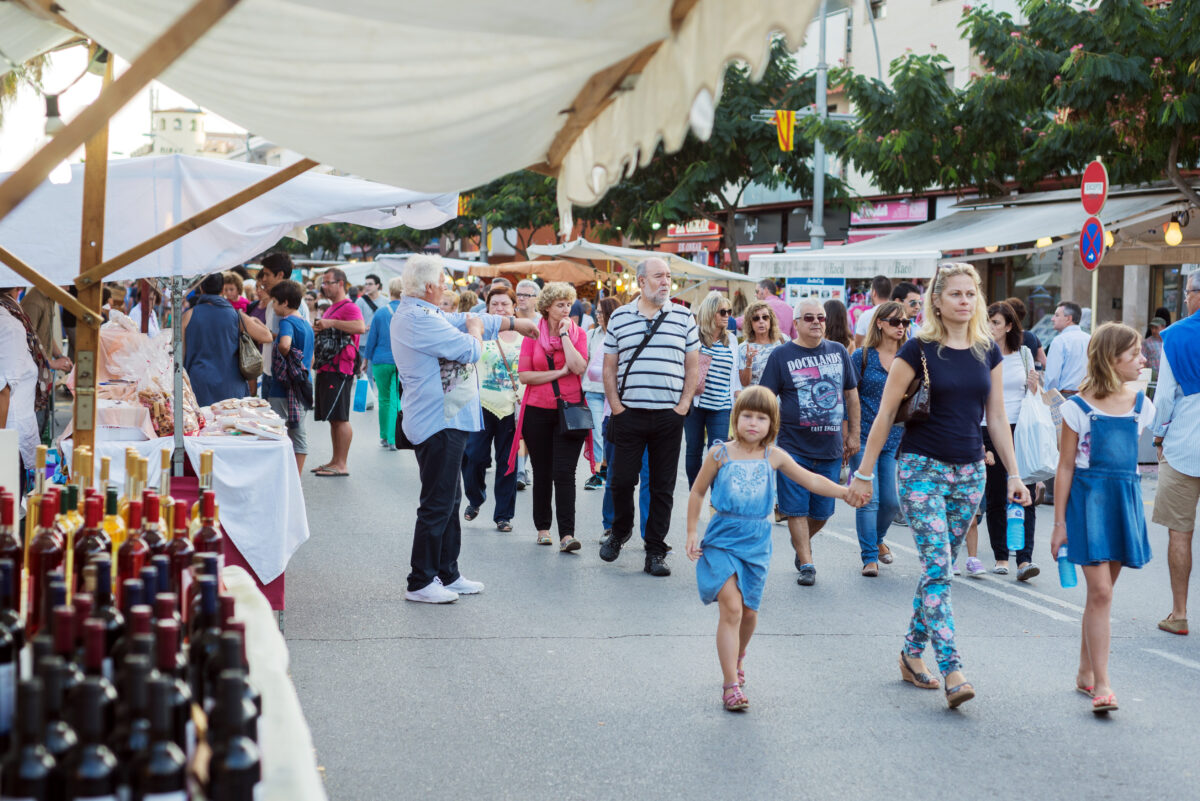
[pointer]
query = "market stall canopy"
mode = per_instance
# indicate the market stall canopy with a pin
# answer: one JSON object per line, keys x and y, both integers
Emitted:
{"x": 583, "y": 250}
{"x": 388, "y": 266}
{"x": 447, "y": 95}
{"x": 23, "y": 36}
{"x": 148, "y": 195}
{"x": 547, "y": 270}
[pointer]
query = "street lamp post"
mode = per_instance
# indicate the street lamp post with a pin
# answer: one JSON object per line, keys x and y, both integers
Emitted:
{"x": 817, "y": 238}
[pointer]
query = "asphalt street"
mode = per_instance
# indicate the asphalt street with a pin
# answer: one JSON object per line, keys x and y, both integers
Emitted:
{"x": 569, "y": 678}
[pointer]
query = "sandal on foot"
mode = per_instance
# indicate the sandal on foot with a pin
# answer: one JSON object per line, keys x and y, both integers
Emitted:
{"x": 568, "y": 544}
{"x": 503, "y": 525}
{"x": 1103, "y": 704}
{"x": 959, "y": 694}
{"x": 734, "y": 699}
{"x": 1086, "y": 689}
{"x": 471, "y": 513}
{"x": 741, "y": 674}
{"x": 544, "y": 539}
{"x": 918, "y": 679}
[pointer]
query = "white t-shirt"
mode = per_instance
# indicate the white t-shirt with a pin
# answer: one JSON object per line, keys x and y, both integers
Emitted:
{"x": 1081, "y": 423}
{"x": 135, "y": 316}
{"x": 863, "y": 324}
{"x": 272, "y": 322}
{"x": 1013, "y": 370}
{"x": 18, "y": 372}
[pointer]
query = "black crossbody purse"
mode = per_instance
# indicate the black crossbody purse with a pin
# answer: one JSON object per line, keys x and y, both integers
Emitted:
{"x": 574, "y": 419}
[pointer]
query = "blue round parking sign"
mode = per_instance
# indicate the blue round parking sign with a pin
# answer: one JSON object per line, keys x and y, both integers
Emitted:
{"x": 1091, "y": 243}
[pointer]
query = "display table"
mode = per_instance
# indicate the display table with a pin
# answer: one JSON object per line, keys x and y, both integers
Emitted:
{"x": 258, "y": 490}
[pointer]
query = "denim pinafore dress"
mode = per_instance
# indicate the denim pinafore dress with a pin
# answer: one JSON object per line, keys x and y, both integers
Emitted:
{"x": 1106, "y": 521}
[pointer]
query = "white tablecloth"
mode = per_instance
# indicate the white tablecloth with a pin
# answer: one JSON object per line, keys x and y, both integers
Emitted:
{"x": 257, "y": 486}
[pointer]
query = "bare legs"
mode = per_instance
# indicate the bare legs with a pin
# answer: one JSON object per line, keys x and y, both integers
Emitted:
{"x": 341, "y": 433}
{"x": 802, "y": 530}
{"x": 1179, "y": 558}
{"x": 1097, "y": 626}
{"x": 734, "y": 629}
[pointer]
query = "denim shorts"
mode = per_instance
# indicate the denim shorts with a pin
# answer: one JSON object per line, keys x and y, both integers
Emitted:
{"x": 796, "y": 501}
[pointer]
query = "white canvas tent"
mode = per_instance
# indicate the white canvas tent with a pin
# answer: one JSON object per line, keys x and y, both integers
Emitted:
{"x": 148, "y": 195}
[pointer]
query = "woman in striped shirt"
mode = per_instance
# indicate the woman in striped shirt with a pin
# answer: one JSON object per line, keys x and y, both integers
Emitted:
{"x": 720, "y": 382}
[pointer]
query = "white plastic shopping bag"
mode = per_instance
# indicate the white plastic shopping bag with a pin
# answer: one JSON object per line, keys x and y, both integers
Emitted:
{"x": 1035, "y": 440}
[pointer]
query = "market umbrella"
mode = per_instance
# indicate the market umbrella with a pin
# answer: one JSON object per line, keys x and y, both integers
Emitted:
{"x": 548, "y": 270}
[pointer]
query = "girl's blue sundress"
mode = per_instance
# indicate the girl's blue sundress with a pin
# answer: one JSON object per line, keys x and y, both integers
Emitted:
{"x": 737, "y": 540}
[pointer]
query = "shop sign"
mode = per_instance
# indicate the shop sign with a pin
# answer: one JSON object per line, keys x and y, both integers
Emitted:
{"x": 758, "y": 229}
{"x": 837, "y": 224}
{"x": 695, "y": 228}
{"x": 822, "y": 287}
{"x": 891, "y": 212}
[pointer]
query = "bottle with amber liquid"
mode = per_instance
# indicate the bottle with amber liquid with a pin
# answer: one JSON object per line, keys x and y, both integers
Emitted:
{"x": 10, "y": 545}
{"x": 45, "y": 556}
{"x": 90, "y": 542}
{"x": 205, "y": 481}
{"x": 165, "y": 501}
{"x": 209, "y": 539}
{"x": 133, "y": 553}
{"x": 113, "y": 525}
{"x": 127, "y": 493}
{"x": 152, "y": 530}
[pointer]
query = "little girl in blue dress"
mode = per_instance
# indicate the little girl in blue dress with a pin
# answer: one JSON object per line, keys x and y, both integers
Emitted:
{"x": 731, "y": 562}
{"x": 1098, "y": 509}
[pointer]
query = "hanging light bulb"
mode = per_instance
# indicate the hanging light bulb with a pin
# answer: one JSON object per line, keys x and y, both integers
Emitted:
{"x": 99, "y": 62}
{"x": 1043, "y": 242}
{"x": 533, "y": 276}
{"x": 61, "y": 174}
{"x": 1173, "y": 234}
{"x": 992, "y": 248}
{"x": 674, "y": 287}
{"x": 1108, "y": 239}
{"x": 599, "y": 284}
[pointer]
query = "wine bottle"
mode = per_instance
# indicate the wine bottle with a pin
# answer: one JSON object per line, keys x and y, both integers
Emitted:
{"x": 32, "y": 523}
{"x": 209, "y": 538}
{"x": 203, "y": 564}
{"x": 149, "y": 583}
{"x": 8, "y": 687}
{"x": 45, "y": 556}
{"x": 173, "y": 667}
{"x": 63, "y": 626}
{"x": 132, "y": 555}
{"x": 205, "y": 480}
{"x": 152, "y": 533}
{"x": 105, "y": 469}
{"x": 229, "y": 659}
{"x": 10, "y": 546}
{"x": 239, "y": 626}
{"x": 166, "y": 607}
{"x": 205, "y": 639}
{"x": 60, "y": 739}
{"x": 132, "y": 594}
{"x": 91, "y": 772}
{"x": 26, "y": 770}
{"x": 161, "y": 563}
{"x": 98, "y": 665}
{"x": 102, "y": 601}
{"x": 131, "y": 735}
{"x": 179, "y": 551}
{"x": 128, "y": 493}
{"x": 160, "y": 773}
{"x": 136, "y": 622}
{"x": 82, "y": 603}
{"x": 90, "y": 542}
{"x": 74, "y": 511}
{"x": 113, "y": 525}
{"x": 10, "y": 616}
{"x": 165, "y": 501}
{"x": 139, "y": 645}
{"x": 227, "y": 606}
{"x": 234, "y": 770}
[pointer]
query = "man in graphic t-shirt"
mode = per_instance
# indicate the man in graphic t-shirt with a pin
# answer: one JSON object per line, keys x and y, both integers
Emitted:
{"x": 334, "y": 382}
{"x": 818, "y": 398}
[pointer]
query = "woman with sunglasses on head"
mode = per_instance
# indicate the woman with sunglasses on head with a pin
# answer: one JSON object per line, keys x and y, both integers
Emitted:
{"x": 872, "y": 362}
{"x": 720, "y": 382}
{"x": 762, "y": 338}
{"x": 941, "y": 466}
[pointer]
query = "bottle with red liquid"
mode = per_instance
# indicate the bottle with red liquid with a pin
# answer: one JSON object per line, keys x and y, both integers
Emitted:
{"x": 103, "y": 607}
{"x": 10, "y": 545}
{"x": 179, "y": 551}
{"x": 209, "y": 538}
{"x": 64, "y": 645}
{"x": 45, "y": 556}
{"x": 152, "y": 531}
{"x": 203, "y": 564}
{"x": 90, "y": 542}
{"x": 98, "y": 667}
{"x": 133, "y": 553}
{"x": 10, "y": 616}
{"x": 172, "y": 665}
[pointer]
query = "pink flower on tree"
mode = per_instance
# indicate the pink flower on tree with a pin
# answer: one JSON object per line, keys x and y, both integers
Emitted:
{"x": 1076, "y": 48}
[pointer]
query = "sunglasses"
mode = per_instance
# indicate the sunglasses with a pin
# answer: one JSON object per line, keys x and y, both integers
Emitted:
{"x": 902, "y": 322}
{"x": 723, "y": 312}
{"x": 812, "y": 318}
{"x": 760, "y": 319}
{"x": 913, "y": 304}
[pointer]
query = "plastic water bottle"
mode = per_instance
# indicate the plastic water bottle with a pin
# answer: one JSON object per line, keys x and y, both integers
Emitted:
{"x": 1066, "y": 570}
{"x": 1016, "y": 526}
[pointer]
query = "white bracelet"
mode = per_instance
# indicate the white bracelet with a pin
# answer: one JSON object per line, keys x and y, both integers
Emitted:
{"x": 861, "y": 477}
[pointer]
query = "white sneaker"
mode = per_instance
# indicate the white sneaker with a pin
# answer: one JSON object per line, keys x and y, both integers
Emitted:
{"x": 433, "y": 593}
{"x": 464, "y": 586}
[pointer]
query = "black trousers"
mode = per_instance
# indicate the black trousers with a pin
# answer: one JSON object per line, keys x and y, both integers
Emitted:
{"x": 995, "y": 498}
{"x": 437, "y": 536}
{"x": 554, "y": 458}
{"x": 634, "y": 432}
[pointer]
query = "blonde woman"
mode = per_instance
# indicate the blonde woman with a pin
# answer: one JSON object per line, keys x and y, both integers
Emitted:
{"x": 941, "y": 458}
{"x": 720, "y": 382}
{"x": 449, "y": 302}
{"x": 467, "y": 301}
{"x": 762, "y": 338}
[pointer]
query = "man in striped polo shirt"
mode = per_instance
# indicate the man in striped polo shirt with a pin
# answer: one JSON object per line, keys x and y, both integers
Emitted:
{"x": 651, "y": 366}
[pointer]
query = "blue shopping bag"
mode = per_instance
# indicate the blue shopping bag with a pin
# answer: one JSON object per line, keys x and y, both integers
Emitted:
{"x": 360, "y": 395}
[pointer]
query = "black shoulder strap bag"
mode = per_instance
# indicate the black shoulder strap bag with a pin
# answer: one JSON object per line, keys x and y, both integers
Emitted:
{"x": 662, "y": 315}
{"x": 574, "y": 419}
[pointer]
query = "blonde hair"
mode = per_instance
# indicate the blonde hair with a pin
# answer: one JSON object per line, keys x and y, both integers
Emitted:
{"x": 773, "y": 332}
{"x": 451, "y": 294}
{"x": 467, "y": 300}
{"x": 884, "y": 312}
{"x": 1108, "y": 342}
{"x": 552, "y": 293}
{"x": 232, "y": 278}
{"x": 706, "y": 317}
{"x": 934, "y": 330}
{"x": 756, "y": 398}
{"x": 396, "y": 287}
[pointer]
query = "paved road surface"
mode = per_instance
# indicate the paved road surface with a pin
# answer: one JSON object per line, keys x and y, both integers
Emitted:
{"x": 569, "y": 678}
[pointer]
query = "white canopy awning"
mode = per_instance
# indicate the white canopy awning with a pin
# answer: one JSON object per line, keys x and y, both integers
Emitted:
{"x": 23, "y": 36}
{"x": 148, "y": 195}
{"x": 583, "y": 250}
{"x": 447, "y": 95}
{"x": 915, "y": 253}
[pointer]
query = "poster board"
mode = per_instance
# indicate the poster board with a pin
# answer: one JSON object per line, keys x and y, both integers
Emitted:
{"x": 823, "y": 287}
{"x": 10, "y": 475}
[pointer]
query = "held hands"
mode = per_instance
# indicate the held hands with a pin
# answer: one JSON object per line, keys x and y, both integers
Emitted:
{"x": 852, "y": 499}
{"x": 693, "y": 546}
{"x": 858, "y": 493}
{"x": 1018, "y": 492}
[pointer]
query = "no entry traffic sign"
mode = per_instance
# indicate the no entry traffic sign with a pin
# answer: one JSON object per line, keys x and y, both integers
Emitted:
{"x": 1091, "y": 243}
{"x": 1094, "y": 189}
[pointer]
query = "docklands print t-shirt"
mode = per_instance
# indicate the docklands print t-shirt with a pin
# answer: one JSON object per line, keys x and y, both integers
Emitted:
{"x": 811, "y": 384}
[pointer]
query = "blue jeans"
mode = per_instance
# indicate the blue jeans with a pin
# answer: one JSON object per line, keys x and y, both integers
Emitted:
{"x": 873, "y": 519}
{"x": 643, "y": 488}
{"x": 701, "y": 429}
{"x": 496, "y": 433}
{"x": 595, "y": 402}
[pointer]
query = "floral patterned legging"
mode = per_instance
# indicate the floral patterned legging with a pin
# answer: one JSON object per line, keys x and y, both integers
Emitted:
{"x": 939, "y": 500}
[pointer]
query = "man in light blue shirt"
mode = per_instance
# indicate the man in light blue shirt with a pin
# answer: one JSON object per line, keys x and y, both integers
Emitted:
{"x": 1066, "y": 363}
{"x": 435, "y": 355}
{"x": 1176, "y": 432}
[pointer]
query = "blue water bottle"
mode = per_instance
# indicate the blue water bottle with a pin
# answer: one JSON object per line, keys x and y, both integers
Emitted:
{"x": 1066, "y": 570}
{"x": 1016, "y": 526}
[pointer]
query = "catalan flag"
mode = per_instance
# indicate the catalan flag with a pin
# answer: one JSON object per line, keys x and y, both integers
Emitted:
{"x": 785, "y": 129}
{"x": 463, "y": 201}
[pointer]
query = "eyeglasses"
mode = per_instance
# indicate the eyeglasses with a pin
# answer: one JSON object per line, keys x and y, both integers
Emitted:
{"x": 902, "y": 322}
{"x": 812, "y": 318}
{"x": 760, "y": 319}
{"x": 914, "y": 304}
{"x": 1190, "y": 291}
{"x": 723, "y": 312}
{"x": 526, "y": 295}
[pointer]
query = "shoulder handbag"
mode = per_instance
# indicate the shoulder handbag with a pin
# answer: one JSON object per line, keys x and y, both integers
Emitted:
{"x": 250, "y": 361}
{"x": 914, "y": 406}
{"x": 574, "y": 419}
{"x": 638, "y": 351}
{"x": 512, "y": 376}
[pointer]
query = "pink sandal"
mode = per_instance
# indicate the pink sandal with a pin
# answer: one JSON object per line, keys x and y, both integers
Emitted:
{"x": 734, "y": 699}
{"x": 741, "y": 674}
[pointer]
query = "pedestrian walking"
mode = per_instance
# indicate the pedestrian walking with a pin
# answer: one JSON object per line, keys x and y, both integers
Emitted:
{"x": 881, "y": 293}
{"x": 765, "y": 292}
{"x": 550, "y": 366}
{"x": 527, "y": 293}
{"x": 1028, "y": 338}
{"x": 941, "y": 470}
{"x": 719, "y": 383}
{"x": 817, "y": 392}
{"x": 593, "y": 389}
{"x": 378, "y": 353}
{"x": 762, "y": 338}
{"x": 1176, "y": 432}
{"x": 210, "y": 343}
{"x": 1066, "y": 363}
{"x": 732, "y": 560}
{"x": 651, "y": 359}
{"x": 499, "y": 394}
{"x": 336, "y": 355}
{"x": 1152, "y": 344}
{"x": 872, "y": 363}
{"x": 435, "y": 355}
{"x": 1098, "y": 511}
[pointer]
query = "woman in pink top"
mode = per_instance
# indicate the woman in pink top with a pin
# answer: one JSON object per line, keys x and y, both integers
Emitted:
{"x": 557, "y": 356}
